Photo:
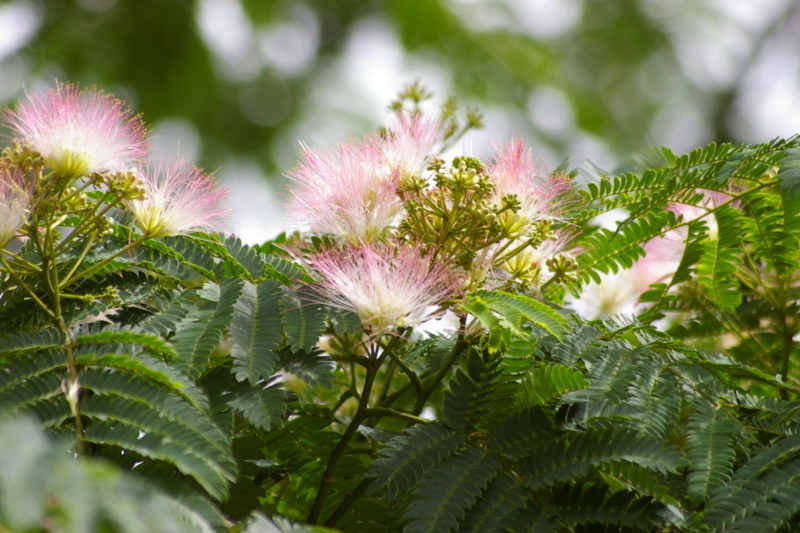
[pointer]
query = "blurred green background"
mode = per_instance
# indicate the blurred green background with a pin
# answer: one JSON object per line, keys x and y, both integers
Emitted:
{"x": 236, "y": 83}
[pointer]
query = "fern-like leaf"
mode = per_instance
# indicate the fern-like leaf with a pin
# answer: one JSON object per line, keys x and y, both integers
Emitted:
{"x": 711, "y": 454}
{"x": 762, "y": 495}
{"x": 113, "y": 337}
{"x": 449, "y": 490}
{"x": 789, "y": 173}
{"x": 569, "y": 458}
{"x": 201, "y": 331}
{"x": 470, "y": 393}
{"x": 256, "y": 331}
{"x": 402, "y": 463}
{"x": 502, "y": 497}
{"x": 303, "y": 324}
{"x": 517, "y": 434}
{"x": 514, "y": 308}
{"x": 124, "y": 406}
{"x": 548, "y": 383}
{"x": 716, "y": 270}
{"x": 497, "y": 337}
{"x": 634, "y": 478}
{"x": 591, "y": 507}
{"x": 264, "y": 407}
{"x": 31, "y": 340}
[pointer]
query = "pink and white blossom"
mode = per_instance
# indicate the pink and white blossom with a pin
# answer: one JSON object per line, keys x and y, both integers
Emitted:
{"x": 664, "y": 253}
{"x": 386, "y": 287}
{"x": 514, "y": 172}
{"x": 347, "y": 192}
{"x": 15, "y": 199}
{"x": 179, "y": 199}
{"x": 79, "y": 132}
{"x": 410, "y": 142}
{"x": 619, "y": 293}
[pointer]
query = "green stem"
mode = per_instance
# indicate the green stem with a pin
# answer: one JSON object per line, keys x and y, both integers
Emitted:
{"x": 349, "y": 499}
{"x": 50, "y": 275}
{"x": 391, "y": 413}
{"x": 357, "y": 359}
{"x": 375, "y": 362}
{"x": 94, "y": 268}
{"x": 437, "y": 378}
{"x": 387, "y": 379}
{"x": 26, "y": 287}
{"x": 450, "y": 219}
{"x": 33, "y": 269}
{"x": 79, "y": 261}
{"x": 91, "y": 181}
{"x": 86, "y": 219}
{"x": 393, "y": 397}
{"x": 415, "y": 381}
{"x": 336, "y": 454}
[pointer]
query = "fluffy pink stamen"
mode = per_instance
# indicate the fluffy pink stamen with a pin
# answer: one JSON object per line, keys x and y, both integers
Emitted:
{"x": 15, "y": 199}
{"x": 410, "y": 142}
{"x": 515, "y": 172}
{"x": 348, "y": 192}
{"x": 79, "y": 131}
{"x": 387, "y": 287}
{"x": 179, "y": 199}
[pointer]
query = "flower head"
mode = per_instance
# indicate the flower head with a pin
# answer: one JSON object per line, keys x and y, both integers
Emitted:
{"x": 409, "y": 142}
{"x": 616, "y": 294}
{"x": 15, "y": 199}
{"x": 347, "y": 192}
{"x": 514, "y": 173}
{"x": 385, "y": 286}
{"x": 664, "y": 253}
{"x": 178, "y": 199}
{"x": 79, "y": 132}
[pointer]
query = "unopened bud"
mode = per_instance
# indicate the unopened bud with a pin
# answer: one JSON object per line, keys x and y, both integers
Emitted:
{"x": 564, "y": 267}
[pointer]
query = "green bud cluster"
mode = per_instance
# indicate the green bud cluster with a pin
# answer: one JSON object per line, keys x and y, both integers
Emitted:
{"x": 456, "y": 216}
{"x": 19, "y": 156}
{"x": 125, "y": 185}
{"x": 564, "y": 267}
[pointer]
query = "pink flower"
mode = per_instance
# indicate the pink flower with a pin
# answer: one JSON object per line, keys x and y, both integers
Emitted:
{"x": 515, "y": 173}
{"x": 15, "y": 199}
{"x": 350, "y": 191}
{"x": 409, "y": 143}
{"x": 664, "y": 253}
{"x": 385, "y": 286}
{"x": 347, "y": 192}
{"x": 79, "y": 133}
{"x": 619, "y": 292}
{"x": 179, "y": 199}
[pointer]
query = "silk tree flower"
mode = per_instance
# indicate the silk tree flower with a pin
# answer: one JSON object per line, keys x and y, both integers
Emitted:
{"x": 619, "y": 293}
{"x": 15, "y": 199}
{"x": 664, "y": 253}
{"x": 79, "y": 132}
{"x": 409, "y": 143}
{"x": 514, "y": 173}
{"x": 178, "y": 199}
{"x": 616, "y": 294}
{"x": 387, "y": 287}
{"x": 347, "y": 192}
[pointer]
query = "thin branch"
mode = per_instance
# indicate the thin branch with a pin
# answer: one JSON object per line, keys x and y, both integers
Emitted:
{"x": 349, "y": 499}
{"x": 336, "y": 454}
